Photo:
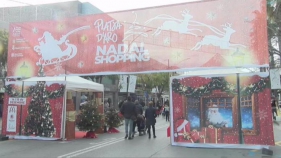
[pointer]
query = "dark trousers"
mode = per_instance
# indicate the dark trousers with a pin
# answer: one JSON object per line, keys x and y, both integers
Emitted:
{"x": 134, "y": 125}
{"x": 274, "y": 111}
{"x": 167, "y": 114}
{"x": 153, "y": 130}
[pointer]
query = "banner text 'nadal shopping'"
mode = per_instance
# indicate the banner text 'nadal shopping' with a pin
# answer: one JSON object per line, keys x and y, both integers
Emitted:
{"x": 166, "y": 38}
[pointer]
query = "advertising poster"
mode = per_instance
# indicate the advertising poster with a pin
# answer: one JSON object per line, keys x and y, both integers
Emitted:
{"x": 12, "y": 119}
{"x": 165, "y": 38}
{"x": 42, "y": 114}
{"x": 205, "y": 111}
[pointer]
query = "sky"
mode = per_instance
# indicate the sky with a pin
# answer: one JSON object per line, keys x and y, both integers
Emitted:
{"x": 104, "y": 5}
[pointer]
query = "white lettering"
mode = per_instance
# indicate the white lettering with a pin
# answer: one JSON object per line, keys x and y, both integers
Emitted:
{"x": 106, "y": 30}
{"x": 123, "y": 53}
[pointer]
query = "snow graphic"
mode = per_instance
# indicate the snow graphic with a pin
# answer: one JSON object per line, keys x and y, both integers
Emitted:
{"x": 177, "y": 110}
{"x": 262, "y": 115}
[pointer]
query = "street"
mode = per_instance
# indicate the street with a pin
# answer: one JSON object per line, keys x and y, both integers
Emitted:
{"x": 114, "y": 145}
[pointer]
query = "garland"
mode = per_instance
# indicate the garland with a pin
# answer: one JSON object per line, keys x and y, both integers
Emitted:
{"x": 219, "y": 83}
{"x": 50, "y": 94}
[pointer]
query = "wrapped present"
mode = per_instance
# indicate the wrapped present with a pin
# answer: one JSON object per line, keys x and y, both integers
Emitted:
{"x": 182, "y": 133}
{"x": 195, "y": 135}
{"x": 214, "y": 134}
{"x": 199, "y": 136}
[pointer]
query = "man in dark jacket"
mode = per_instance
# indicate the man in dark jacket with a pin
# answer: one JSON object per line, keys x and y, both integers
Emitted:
{"x": 128, "y": 110}
{"x": 150, "y": 115}
{"x": 139, "y": 111}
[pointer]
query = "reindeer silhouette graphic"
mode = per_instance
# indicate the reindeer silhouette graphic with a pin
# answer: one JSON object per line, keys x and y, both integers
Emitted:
{"x": 177, "y": 25}
{"x": 222, "y": 42}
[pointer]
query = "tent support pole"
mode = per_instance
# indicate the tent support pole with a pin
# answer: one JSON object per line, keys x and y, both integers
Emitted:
{"x": 241, "y": 139}
{"x": 64, "y": 115}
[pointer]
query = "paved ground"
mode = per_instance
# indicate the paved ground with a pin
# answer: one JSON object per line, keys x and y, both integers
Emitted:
{"x": 114, "y": 145}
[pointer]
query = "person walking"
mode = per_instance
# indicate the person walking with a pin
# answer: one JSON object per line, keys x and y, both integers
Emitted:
{"x": 128, "y": 110}
{"x": 167, "y": 112}
{"x": 139, "y": 113}
{"x": 273, "y": 107}
{"x": 150, "y": 115}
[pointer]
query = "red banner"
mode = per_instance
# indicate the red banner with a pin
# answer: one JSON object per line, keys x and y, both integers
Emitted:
{"x": 166, "y": 38}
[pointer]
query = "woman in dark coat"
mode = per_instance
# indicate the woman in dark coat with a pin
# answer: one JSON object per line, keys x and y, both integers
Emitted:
{"x": 150, "y": 115}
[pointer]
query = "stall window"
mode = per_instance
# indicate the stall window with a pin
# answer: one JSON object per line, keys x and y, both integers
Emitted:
{"x": 248, "y": 110}
{"x": 193, "y": 112}
{"x": 218, "y": 111}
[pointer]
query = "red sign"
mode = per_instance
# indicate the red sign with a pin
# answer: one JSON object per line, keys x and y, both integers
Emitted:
{"x": 167, "y": 38}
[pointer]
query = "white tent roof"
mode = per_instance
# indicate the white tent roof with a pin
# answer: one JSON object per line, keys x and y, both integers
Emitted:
{"x": 73, "y": 83}
{"x": 210, "y": 72}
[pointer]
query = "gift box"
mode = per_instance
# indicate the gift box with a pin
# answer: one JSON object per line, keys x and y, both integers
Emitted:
{"x": 182, "y": 131}
{"x": 214, "y": 135}
{"x": 199, "y": 136}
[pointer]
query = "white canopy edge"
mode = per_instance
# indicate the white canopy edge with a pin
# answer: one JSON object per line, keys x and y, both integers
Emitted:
{"x": 223, "y": 72}
{"x": 73, "y": 83}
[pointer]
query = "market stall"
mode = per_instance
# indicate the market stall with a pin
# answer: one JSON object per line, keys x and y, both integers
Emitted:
{"x": 56, "y": 111}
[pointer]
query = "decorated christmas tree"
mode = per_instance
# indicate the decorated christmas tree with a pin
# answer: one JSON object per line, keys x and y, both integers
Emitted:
{"x": 113, "y": 120}
{"x": 39, "y": 121}
{"x": 89, "y": 118}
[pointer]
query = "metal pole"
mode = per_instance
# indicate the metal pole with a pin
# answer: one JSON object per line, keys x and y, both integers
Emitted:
{"x": 241, "y": 139}
{"x": 64, "y": 115}
{"x": 21, "y": 106}
{"x": 128, "y": 81}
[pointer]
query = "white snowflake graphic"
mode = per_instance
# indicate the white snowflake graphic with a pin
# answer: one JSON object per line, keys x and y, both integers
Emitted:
{"x": 177, "y": 56}
{"x": 177, "y": 110}
{"x": 58, "y": 66}
{"x": 80, "y": 64}
{"x": 262, "y": 115}
{"x": 167, "y": 41}
{"x": 58, "y": 106}
{"x": 211, "y": 16}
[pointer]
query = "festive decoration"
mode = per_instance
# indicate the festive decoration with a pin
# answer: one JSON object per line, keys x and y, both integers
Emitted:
{"x": 214, "y": 134}
{"x": 182, "y": 132}
{"x": 219, "y": 83}
{"x": 113, "y": 120}
{"x": 90, "y": 118}
{"x": 39, "y": 120}
{"x": 11, "y": 91}
{"x": 209, "y": 104}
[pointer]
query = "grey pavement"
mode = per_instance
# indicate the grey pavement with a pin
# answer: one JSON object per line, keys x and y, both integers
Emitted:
{"x": 114, "y": 145}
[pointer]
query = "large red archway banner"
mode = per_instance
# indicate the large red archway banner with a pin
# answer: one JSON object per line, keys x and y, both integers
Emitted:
{"x": 207, "y": 34}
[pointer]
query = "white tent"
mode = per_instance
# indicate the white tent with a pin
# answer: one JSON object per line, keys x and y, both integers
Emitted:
{"x": 73, "y": 83}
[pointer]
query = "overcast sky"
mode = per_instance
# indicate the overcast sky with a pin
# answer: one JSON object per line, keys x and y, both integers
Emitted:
{"x": 104, "y": 5}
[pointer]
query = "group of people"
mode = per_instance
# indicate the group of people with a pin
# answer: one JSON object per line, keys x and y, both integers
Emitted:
{"x": 133, "y": 115}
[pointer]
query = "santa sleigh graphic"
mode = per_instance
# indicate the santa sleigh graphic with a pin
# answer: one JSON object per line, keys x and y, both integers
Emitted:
{"x": 50, "y": 50}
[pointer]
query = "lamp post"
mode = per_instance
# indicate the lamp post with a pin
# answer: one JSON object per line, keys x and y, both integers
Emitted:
{"x": 134, "y": 38}
{"x": 23, "y": 70}
{"x": 128, "y": 82}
